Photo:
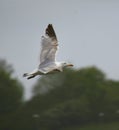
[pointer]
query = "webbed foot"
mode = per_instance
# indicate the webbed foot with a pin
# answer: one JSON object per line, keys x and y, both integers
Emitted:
{"x": 25, "y": 74}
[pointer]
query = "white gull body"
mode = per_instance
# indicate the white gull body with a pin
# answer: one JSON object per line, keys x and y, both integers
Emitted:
{"x": 48, "y": 63}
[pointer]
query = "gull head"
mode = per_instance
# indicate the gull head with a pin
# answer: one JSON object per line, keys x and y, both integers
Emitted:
{"x": 65, "y": 64}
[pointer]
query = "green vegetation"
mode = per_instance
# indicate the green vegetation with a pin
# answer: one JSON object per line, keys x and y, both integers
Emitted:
{"x": 74, "y": 99}
{"x": 11, "y": 93}
{"x": 100, "y": 126}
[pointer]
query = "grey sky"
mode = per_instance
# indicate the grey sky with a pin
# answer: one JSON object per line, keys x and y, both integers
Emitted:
{"x": 87, "y": 30}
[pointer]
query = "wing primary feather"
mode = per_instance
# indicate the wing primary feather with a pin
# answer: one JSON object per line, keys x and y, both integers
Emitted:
{"x": 50, "y": 31}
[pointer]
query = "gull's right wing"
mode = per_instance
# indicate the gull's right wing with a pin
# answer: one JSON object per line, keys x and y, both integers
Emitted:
{"x": 49, "y": 45}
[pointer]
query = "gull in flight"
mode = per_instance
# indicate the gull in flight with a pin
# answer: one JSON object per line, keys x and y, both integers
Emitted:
{"x": 48, "y": 63}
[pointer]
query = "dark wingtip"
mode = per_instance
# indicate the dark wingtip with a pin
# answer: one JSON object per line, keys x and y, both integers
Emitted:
{"x": 50, "y": 31}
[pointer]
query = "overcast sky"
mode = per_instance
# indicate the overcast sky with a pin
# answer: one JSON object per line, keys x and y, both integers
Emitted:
{"x": 87, "y": 30}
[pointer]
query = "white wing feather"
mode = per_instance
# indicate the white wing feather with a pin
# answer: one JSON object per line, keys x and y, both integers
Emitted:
{"x": 48, "y": 45}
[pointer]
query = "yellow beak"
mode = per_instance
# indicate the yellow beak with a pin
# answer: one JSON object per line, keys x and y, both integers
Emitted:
{"x": 70, "y": 65}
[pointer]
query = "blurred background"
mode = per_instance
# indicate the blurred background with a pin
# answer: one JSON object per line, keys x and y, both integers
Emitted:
{"x": 85, "y": 97}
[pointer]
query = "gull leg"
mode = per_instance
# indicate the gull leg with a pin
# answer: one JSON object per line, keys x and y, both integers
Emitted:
{"x": 32, "y": 76}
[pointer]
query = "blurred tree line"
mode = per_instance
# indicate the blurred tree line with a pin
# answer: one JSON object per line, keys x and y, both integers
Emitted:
{"x": 11, "y": 95}
{"x": 73, "y": 97}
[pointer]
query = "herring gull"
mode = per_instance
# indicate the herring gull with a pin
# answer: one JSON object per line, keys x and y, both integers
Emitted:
{"x": 48, "y": 63}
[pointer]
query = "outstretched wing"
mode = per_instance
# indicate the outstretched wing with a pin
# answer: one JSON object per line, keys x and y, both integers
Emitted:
{"x": 49, "y": 45}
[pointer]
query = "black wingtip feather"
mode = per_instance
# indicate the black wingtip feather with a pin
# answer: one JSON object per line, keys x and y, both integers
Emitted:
{"x": 50, "y": 31}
